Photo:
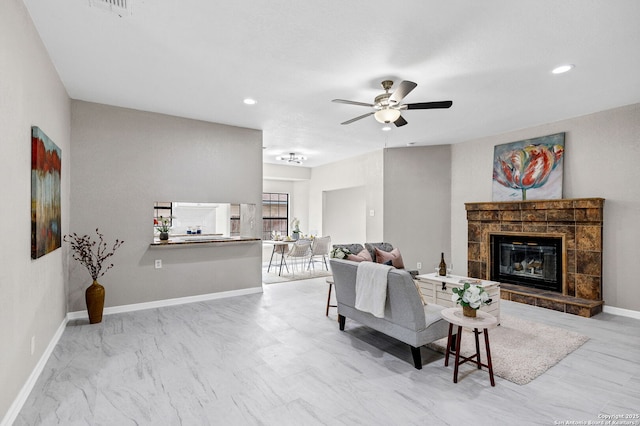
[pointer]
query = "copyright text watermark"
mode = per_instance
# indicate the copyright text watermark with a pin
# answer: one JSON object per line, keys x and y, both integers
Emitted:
{"x": 630, "y": 419}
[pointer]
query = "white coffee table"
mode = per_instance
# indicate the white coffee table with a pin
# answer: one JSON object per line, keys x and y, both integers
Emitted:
{"x": 482, "y": 321}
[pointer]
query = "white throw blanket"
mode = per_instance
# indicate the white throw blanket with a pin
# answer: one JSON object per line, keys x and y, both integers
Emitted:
{"x": 371, "y": 287}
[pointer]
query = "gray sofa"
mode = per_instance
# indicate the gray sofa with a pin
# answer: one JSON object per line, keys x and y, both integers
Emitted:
{"x": 356, "y": 248}
{"x": 405, "y": 317}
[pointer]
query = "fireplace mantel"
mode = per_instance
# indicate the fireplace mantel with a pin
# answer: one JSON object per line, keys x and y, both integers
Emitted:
{"x": 578, "y": 220}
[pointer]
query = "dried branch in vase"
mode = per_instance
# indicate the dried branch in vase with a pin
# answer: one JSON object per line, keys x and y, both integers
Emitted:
{"x": 92, "y": 254}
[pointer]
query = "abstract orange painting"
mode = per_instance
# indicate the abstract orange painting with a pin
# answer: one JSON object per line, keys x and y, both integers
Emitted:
{"x": 46, "y": 232}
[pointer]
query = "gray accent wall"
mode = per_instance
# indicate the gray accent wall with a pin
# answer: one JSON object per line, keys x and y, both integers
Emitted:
{"x": 408, "y": 190}
{"x": 32, "y": 292}
{"x": 602, "y": 151}
{"x": 417, "y": 204}
{"x": 124, "y": 160}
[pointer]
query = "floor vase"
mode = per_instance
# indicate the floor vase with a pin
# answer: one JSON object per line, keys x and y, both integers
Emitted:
{"x": 94, "y": 296}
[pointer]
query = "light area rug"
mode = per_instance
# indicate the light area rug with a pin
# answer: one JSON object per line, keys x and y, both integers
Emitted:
{"x": 272, "y": 277}
{"x": 520, "y": 350}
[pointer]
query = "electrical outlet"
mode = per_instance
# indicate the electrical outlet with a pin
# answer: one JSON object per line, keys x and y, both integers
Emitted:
{"x": 158, "y": 263}
{"x": 33, "y": 344}
{"x": 419, "y": 265}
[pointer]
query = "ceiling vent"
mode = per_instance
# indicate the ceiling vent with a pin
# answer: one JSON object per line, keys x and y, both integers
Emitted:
{"x": 119, "y": 7}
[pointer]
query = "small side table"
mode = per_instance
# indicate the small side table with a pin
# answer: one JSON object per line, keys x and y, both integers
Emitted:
{"x": 329, "y": 305}
{"x": 482, "y": 321}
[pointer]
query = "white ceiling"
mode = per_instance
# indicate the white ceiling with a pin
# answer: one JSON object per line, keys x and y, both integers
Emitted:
{"x": 200, "y": 58}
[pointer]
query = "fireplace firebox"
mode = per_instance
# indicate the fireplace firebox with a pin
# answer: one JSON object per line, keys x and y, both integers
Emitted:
{"x": 526, "y": 260}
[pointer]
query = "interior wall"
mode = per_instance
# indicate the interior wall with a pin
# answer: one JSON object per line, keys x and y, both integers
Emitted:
{"x": 300, "y": 205}
{"x": 364, "y": 170}
{"x": 32, "y": 292}
{"x": 344, "y": 215}
{"x": 601, "y": 154}
{"x": 123, "y": 161}
{"x": 417, "y": 204}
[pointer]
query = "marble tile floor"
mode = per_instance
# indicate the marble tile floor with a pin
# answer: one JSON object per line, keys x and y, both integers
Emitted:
{"x": 275, "y": 359}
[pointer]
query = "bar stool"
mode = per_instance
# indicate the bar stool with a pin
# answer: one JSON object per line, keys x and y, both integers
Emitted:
{"x": 482, "y": 320}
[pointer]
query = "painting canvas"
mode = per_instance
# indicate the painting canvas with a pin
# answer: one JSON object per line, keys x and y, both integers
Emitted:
{"x": 529, "y": 170}
{"x": 45, "y": 194}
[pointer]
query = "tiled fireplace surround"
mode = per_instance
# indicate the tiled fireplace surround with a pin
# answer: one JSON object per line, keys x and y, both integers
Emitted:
{"x": 578, "y": 221}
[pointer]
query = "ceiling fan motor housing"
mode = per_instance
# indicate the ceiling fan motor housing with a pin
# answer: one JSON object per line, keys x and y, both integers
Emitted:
{"x": 382, "y": 101}
{"x": 387, "y": 106}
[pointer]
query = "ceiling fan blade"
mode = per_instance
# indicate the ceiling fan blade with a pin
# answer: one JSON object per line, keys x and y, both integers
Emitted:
{"x": 358, "y": 118}
{"x": 400, "y": 122}
{"x": 343, "y": 101}
{"x": 429, "y": 105}
{"x": 402, "y": 91}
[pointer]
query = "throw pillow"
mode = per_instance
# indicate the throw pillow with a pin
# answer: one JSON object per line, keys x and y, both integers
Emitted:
{"x": 363, "y": 256}
{"x": 394, "y": 256}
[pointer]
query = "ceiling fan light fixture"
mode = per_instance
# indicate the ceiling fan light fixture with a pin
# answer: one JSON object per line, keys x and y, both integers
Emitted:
{"x": 292, "y": 158}
{"x": 387, "y": 115}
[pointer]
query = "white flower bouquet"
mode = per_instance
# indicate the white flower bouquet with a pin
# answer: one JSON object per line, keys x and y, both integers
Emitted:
{"x": 295, "y": 224}
{"x": 470, "y": 295}
{"x": 340, "y": 253}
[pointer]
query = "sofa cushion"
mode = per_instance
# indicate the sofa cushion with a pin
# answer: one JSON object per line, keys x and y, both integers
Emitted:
{"x": 373, "y": 246}
{"x": 394, "y": 256}
{"x": 363, "y": 256}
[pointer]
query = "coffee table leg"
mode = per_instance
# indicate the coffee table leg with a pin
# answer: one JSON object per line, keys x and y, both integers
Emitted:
{"x": 475, "y": 331}
{"x": 455, "y": 368}
{"x": 448, "y": 350}
{"x": 489, "y": 364}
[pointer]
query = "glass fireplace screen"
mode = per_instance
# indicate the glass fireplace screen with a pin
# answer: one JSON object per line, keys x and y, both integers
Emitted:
{"x": 529, "y": 261}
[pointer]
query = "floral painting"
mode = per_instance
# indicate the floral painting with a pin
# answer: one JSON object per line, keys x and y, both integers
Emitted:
{"x": 529, "y": 170}
{"x": 46, "y": 232}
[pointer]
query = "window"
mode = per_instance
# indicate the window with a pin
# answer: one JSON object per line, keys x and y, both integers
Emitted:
{"x": 162, "y": 209}
{"x": 275, "y": 214}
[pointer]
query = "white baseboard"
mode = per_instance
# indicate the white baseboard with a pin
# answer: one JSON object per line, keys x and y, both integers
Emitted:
{"x": 15, "y": 408}
{"x": 167, "y": 302}
{"x": 622, "y": 312}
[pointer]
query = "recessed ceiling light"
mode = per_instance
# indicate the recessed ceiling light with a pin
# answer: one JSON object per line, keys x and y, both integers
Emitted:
{"x": 410, "y": 143}
{"x": 386, "y": 128}
{"x": 562, "y": 69}
{"x": 250, "y": 101}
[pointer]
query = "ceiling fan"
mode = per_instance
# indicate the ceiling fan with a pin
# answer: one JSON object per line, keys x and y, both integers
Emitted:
{"x": 387, "y": 106}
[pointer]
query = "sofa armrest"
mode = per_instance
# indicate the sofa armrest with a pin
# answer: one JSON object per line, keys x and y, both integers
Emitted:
{"x": 413, "y": 272}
